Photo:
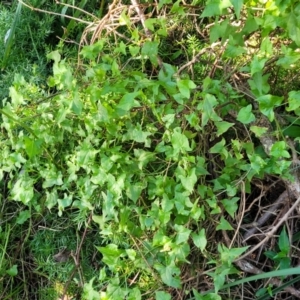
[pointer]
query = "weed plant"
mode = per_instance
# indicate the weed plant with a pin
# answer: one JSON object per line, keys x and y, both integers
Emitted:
{"x": 137, "y": 174}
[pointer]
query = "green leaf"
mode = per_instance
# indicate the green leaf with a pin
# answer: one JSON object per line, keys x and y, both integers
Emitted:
{"x": 138, "y": 135}
{"x": 222, "y": 126}
{"x": 143, "y": 157}
{"x": 10, "y": 38}
{"x": 150, "y": 49}
{"x": 33, "y": 147}
{"x": 290, "y": 57}
{"x": 208, "y": 112}
{"x": 185, "y": 85}
{"x": 189, "y": 181}
{"x": 284, "y": 242}
{"x": 218, "y": 30}
{"x": 134, "y": 50}
{"x": 237, "y": 4}
{"x": 111, "y": 254}
{"x": 293, "y": 26}
{"x": 164, "y": 2}
{"x": 219, "y": 148}
{"x": 64, "y": 203}
{"x": 13, "y": 271}
{"x": 291, "y": 131}
{"x": 224, "y": 225}
{"x": 166, "y": 73}
{"x": 228, "y": 255}
{"x": 179, "y": 141}
{"x": 183, "y": 234}
{"x": 267, "y": 103}
{"x": 199, "y": 239}
{"x": 266, "y": 47}
{"x": 215, "y": 8}
{"x": 52, "y": 177}
{"x": 16, "y": 97}
{"x": 284, "y": 263}
{"x": 233, "y": 51}
{"x": 257, "y": 163}
{"x": 219, "y": 279}
{"x": 24, "y": 215}
{"x": 127, "y": 102}
{"x": 278, "y": 150}
{"x": 245, "y": 115}
{"x": 250, "y": 25}
{"x": 92, "y": 51}
{"x": 23, "y": 190}
{"x": 230, "y": 205}
{"x": 134, "y": 191}
{"x": 134, "y": 294}
{"x": 89, "y": 292}
{"x": 77, "y": 104}
{"x": 259, "y": 84}
{"x": 257, "y": 64}
{"x": 293, "y": 100}
{"x": 169, "y": 274}
{"x": 160, "y": 295}
{"x": 258, "y": 131}
{"x": 210, "y": 296}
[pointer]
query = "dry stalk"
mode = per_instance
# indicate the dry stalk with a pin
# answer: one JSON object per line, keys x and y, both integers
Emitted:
{"x": 266, "y": 216}
{"x": 53, "y": 13}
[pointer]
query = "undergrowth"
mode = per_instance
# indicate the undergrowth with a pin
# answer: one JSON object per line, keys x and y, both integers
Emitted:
{"x": 134, "y": 172}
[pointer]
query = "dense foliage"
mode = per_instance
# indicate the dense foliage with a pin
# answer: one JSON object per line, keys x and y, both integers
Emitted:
{"x": 134, "y": 169}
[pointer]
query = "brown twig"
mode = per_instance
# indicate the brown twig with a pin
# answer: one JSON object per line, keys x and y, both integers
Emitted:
{"x": 76, "y": 257}
{"x": 266, "y": 216}
{"x": 53, "y": 13}
{"x": 196, "y": 57}
{"x": 272, "y": 231}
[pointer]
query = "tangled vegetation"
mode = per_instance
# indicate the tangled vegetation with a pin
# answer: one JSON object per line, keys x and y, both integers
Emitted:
{"x": 154, "y": 154}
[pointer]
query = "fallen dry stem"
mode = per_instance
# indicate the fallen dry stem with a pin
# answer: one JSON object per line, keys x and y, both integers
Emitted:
{"x": 266, "y": 216}
{"x": 273, "y": 231}
{"x": 53, "y": 13}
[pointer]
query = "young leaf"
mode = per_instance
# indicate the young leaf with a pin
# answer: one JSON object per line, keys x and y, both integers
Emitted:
{"x": 258, "y": 131}
{"x": 230, "y": 205}
{"x": 257, "y": 64}
{"x": 245, "y": 115}
{"x": 189, "y": 181}
{"x": 217, "y": 148}
{"x": 183, "y": 234}
{"x": 150, "y": 49}
{"x": 267, "y": 103}
{"x": 284, "y": 242}
{"x": 160, "y": 295}
{"x": 293, "y": 100}
{"x": 278, "y": 150}
{"x": 215, "y": 8}
{"x": 33, "y": 146}
{"x": 185, "y": 86}
{"x": 237, "y": 4}
{"x": 224, "y": 225}
{"x": 179, "y": 141}
{"x": 200, "y": 239}
{"x": 23, "y": 217}
{"x": 13, "y": 271}
{"x": 293, "y": 27}
{"x": 222, "y": 126}
{"x": 127, "y": 102}
{"x": 169, "y": 274}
